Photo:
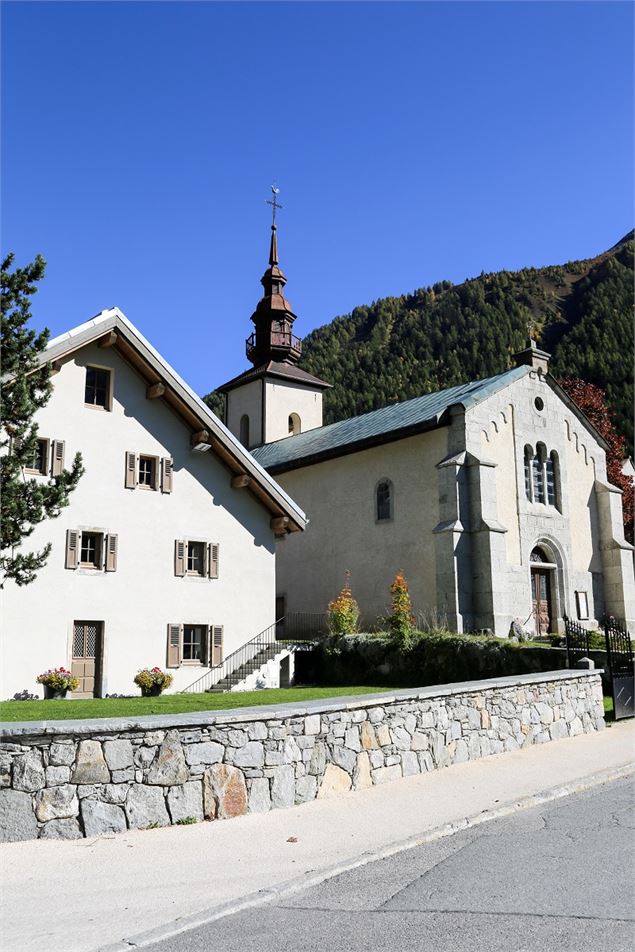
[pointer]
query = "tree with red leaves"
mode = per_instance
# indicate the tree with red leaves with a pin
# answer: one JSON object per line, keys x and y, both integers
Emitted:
{"x": 592, "y": 401}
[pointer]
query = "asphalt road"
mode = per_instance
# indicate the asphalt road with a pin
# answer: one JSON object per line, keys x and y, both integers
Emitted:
{"x": 559, "y": 878}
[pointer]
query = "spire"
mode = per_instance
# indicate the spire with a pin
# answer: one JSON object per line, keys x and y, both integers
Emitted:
{"x": 273, "y": 317}
{"x": 273, "y": 249}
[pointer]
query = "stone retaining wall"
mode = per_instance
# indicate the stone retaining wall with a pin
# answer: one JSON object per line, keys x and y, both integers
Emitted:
{"x": 68, "y": 779}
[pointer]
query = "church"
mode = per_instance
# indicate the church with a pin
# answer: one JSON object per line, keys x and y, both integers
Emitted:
{"x": 491, "y": 497}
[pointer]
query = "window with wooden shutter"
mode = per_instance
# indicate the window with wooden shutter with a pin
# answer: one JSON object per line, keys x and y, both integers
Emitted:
{"x": 111, "y": 553}
{"x": 72, "y": 548}
{"x": 58, "y": 457}
{"x": 213, "y": 561}
{"x": 175, "y": 637}
{"x": 180, "y": 548}
{"x": 166, "y": 475}
{"x": 40, "y": 462}
{"x": 217, "y": 645}
{"x": 131, "y": 470}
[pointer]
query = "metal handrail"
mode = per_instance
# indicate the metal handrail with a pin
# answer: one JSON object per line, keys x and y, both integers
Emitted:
{"x": 237, "y": 659}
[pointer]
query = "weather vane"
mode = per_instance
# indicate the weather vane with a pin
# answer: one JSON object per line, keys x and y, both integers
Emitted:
{"x": 275, "y": 204}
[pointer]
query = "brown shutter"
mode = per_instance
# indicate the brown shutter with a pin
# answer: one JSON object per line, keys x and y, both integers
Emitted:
{"x": 72, "y": 548}
{"x": 46, "y": 457}
{"x": 214, "y": 552}
{"x": 217, "y": 645}
{"x": 111, "y": 553}
{"x": 131, "y": 470}
{"x": 180, "y": 555}
{"x": 166, "y": 476}
{"x": 58, "y": 456}
{"x": 174, "y": 645}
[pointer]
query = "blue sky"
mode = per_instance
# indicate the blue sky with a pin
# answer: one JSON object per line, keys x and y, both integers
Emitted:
{"x": 412, "y": 142}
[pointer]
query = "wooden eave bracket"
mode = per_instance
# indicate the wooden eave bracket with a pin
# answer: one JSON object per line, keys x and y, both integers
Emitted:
{"x": 155, "y": 390}
{"x": 200, "y": 441}
{"x": 241, "y": 481}
{"x": 280, "y": 525}
{"x": 56, "y": 366}
{"x": 108, "y": 340}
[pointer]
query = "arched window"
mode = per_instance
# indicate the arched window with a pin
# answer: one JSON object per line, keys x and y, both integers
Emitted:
{"x": 552, "y": 469}
{"x": 383, "y": 500}
{"x": 538, "y": 470}
{"x": 295, "y": 424}
{"x": 244, "y": 430}
{"x": 529, "y": 453}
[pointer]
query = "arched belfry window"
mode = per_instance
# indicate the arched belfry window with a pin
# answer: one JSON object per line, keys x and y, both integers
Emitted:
{"x": 538, "y": 467}
{"x": 542, "y": 476}
{"x": 295, "y": 424}
{"x": 383, "y": 500}
{"x": 529, "y": 455}
{"x": 553, "y": 479}
{"x": 244, "y": 430}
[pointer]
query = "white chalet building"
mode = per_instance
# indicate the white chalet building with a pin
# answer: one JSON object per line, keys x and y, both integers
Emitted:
{"x": 166, "y": 553}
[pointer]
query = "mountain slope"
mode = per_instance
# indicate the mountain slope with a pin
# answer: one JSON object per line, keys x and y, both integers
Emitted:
{"x": 396, "y": 348}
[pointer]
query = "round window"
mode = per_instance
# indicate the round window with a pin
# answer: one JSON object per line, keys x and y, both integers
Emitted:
{"x": 539, "y": 403}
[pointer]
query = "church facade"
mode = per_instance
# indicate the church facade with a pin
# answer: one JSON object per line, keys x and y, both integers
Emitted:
{"x": 491, "y": 497}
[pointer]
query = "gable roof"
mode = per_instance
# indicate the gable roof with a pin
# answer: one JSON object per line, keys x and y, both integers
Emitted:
{"x": 112, "y": 328}
{"x": 393, "y": 422}
{"x": 273, "y": 368}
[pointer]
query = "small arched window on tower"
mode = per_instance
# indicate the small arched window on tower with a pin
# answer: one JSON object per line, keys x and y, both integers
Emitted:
{"x": 244, "y": 430}
{"x": 295, "y": 424}
{"x": 383, "y": 500}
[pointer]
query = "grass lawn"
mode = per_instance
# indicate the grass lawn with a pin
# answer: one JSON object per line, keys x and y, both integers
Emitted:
{"x": 166, "y": 704}
{"x": 608, "y": 707}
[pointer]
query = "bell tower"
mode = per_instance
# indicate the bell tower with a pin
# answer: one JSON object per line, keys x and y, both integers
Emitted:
{"x": 274, "y": 399}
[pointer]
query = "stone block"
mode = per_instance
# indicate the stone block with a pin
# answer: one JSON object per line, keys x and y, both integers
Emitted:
{"x": 274, "y": 758}
{"x": 312, "y": 724}
{"x": 361, "y": 776}
{"x": 420, "y": 741}
{"x": 237, "y": 738}
{"x": 145, "y": 806}
{"x": 118, "y": 754}
{"x": 410, "y": 723}
{"x": 61, "y": 755}
{"x": 334, "y": 782}
{"x": 461, "y": 754}
{"x": 305, "y": 789}
{"x": 99, "y": 817}
{"x": 17, "y": 819}
{"x": 259, "y": 796}
{"x": 344, "y": 758}
{"x": 425, "y": 761}
{"x": 68, "y": 829}
{"x": 57, "y": 775}
{"x": 283, "y": 787}
{"x": 28, "y": 772}
{"x": 56, "y": 803}
{"x": 93, "y": 790}
{"x": 317, "y": 764}
{"x": 207, "y": 753}
{"x": 153, "y": 738}
{"x": 252, "y": 754}
{"x": 186, "y": 801}
{"x": 257, "y": 731}
{"x": 375, "y": 715}
{"x": 401, "y": 738}
{"x": 169, "y": 768}
{"x": 115, "y": 792}
{"x": 376, "y": 758}
{"x": 352, "y": 739}
{"x": 144, "y": 756}
{"x": 409, "y": 763}
{"x": 224, "y": 792}
{"x": 383, "y": 735}
{"x": 367, "y": 736}
{"x": 90, "y": 766}
{"x": 124, "y": 776}
{"x": 386, "y": 774}
{"x": 291, "y": 753}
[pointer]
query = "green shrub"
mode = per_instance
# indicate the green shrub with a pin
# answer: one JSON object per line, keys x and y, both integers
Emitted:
{"x": 343, "y": 611}
{"x": 401, "y": 621}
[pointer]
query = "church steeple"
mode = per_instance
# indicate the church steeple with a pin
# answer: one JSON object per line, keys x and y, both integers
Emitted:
{"x": 273, "y": 318}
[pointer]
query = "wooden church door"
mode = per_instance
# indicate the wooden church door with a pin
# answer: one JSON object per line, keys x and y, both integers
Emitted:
{"x": 540, "y": 600}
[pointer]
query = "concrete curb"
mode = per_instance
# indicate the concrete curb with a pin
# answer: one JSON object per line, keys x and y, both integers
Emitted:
{"x": 305, "y": 880}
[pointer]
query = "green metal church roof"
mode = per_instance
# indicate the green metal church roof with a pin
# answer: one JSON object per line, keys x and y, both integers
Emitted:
{"x": 379, "y": 426}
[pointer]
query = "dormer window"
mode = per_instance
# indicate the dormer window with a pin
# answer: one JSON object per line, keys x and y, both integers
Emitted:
{"x": 295, "y": 424}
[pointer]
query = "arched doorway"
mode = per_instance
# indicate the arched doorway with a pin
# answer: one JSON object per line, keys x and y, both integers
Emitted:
{"x": 543, "y": 582}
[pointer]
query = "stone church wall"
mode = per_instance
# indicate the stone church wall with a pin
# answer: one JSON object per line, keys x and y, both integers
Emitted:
{"x": 66, "y": 780}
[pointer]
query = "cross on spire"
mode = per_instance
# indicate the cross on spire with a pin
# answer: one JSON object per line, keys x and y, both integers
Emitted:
{"x": 275, "y": 204}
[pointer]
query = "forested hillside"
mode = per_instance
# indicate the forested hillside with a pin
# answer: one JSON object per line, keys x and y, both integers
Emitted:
{"x": 401, "y": 347}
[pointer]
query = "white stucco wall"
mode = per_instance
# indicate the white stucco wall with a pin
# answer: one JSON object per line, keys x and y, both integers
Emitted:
{"x": 246, "y": 400}
{"x": 281, "y": 400}
{"x": 139, "y": 600}
{"x": 343, "y": 535}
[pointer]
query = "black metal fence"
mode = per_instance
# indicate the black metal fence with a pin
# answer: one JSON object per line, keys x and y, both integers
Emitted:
{"x": 577, "y": 639}
{"x": 619, "y": 659}
{"x": 302, "y": 626}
